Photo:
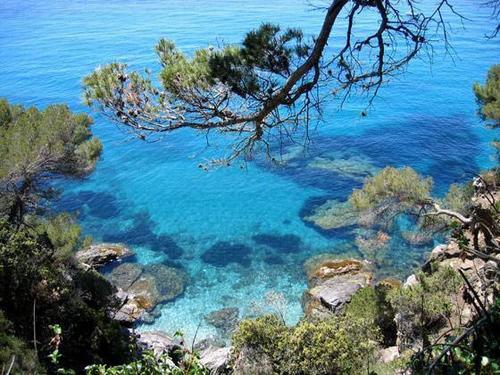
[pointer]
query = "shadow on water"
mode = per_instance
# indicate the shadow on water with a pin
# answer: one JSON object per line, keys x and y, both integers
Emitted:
{"x": 101, "y": 205}
{"x": 224, "y": 253}
{"x": 142, "y": 233}
{"x": 440, "y": 147}
{"x": 283, "y": 243}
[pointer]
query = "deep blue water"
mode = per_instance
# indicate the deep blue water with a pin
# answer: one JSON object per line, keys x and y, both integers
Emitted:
{"x": 238, "y": 233}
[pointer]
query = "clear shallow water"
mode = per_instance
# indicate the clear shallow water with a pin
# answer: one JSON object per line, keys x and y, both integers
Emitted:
{"x": 154, "y": 197}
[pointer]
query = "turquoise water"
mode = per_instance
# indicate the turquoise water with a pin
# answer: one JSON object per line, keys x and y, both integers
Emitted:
{"x": 155, "y": 198}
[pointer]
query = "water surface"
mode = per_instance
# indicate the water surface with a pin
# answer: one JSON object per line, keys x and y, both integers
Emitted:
{"x": 239, "y": 234}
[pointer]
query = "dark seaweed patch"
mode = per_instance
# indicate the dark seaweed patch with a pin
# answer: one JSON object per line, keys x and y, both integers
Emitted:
{"x": 284, "y": 243}
{"x": 224, "y": 253}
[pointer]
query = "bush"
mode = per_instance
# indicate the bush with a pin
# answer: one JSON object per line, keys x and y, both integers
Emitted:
{"x": 371, "y": 305}
{"x": 335, "y": 346}
{"x": 148, "y": 364}
{"x": 16, "y": 351}
{"x": 33, "y": 277}
{"x": 428, "y": 303}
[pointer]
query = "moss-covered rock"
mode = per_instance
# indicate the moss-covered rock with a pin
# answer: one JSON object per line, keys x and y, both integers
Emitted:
{"x": 333, "y": 214}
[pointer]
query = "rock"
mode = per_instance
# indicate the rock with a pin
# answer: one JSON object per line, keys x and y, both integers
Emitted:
{"x": 129, "y": 312}
{"x": 389, "y": 354}
{"x": 158, "y": 342}
{"x": 354, "y": 167}
{"x": 170, "y": 282}
{"x": 224, "y": 320}
{"x": 417, "y": 238}
{"x": 124, "y": 275}
{"x": 452, "y": 250}
{"x": 99, "y": 255}
{"x": 319, "y": 269}
{"x": 141, "y": 290}
{"x": 390, "y": 283}
{"x": 216, "y": 359}
{"x": 332, "y": 283}
{"x": 411, "y": 280}
{"x": 144, "y": 292}
{"x": 438, "y": 252}
{"x": 333, "y": 214}
{"x": 371, "y": 243}
{"x": 329, "y": 297}
{"x": 209, "y": 341}
{"x": 250, "y": 362}
{"x": 491, "y": 270}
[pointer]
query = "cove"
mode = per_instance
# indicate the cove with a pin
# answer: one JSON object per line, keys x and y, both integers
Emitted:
{"x": 238, "y": 234}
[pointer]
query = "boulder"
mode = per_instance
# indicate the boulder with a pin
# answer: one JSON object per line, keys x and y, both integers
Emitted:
{"x": 417, "y": 238}
{"x": 224, "y": 320}
{"x": 330, "y": 297}
{"x": 124, "y": 275}
{"x": 158, "y": 342}
{"x": 389, "y": 354}
{"x": 170, "y": 282}
{"x": 251, "y": 362}
{"x": 410, "y": 281}
{"x": 140, "y": 290}
{"x": 99, "y": 255}
{"x": 332, "y": 283}
{"x": 145, "y": 292}
{"x": 320, "y": 268}
{"x": 130, "y": 310}
{"x": 216, "y": 359}
{"x": 372, "y": 243}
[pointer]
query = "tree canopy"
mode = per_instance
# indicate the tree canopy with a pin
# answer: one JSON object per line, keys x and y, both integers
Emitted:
{"x": 36, "y": 146}
{"x": 274, "y": 81}
{"x": 488, "y": 96}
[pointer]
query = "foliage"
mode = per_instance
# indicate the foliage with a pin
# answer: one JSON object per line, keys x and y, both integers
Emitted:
{"x": 477, "y": 351}
{"x": 271, "y": 83}
{"x": 36, "y": 146}
{"x": 401, "y": 186}
{"x": 427, "y": 302}
{"x": 12, "y": 348}
{"x": 371, "y": 305}
{"x": 337, "y": 345}
{"x": 488, "y": 96}
{"x": 33, "y": 278}
{"x": 149, "y": 364}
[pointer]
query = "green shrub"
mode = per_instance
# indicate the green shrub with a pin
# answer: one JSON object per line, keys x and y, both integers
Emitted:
{"x": 16, "y": 352}
{"x": 148, "y": 364}
{"x": 371, "y": 306}
{"x": 32, "y": 276}
{"x": 337, "y": 345}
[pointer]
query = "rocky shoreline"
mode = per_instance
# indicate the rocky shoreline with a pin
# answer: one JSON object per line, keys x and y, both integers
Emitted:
{"x": 331, "y": 284}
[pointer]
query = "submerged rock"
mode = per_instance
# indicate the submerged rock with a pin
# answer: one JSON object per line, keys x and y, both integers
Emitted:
{"x": 101, "y": 254}
{"x": 224, "y": 253}
{"x": 124, "y": 275}
{"x": 224, "y": 320}
{"x": 145, "y": 292}
{"x": 372, "y": 243}
{"x": 142, "y": 290}
{"x": 333, "y": 214}
{"x": 354, "y": 167}
{"x": 332, "y": 283}
{"x": 170, "y": 282}
{"x": 417, "y": 238}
